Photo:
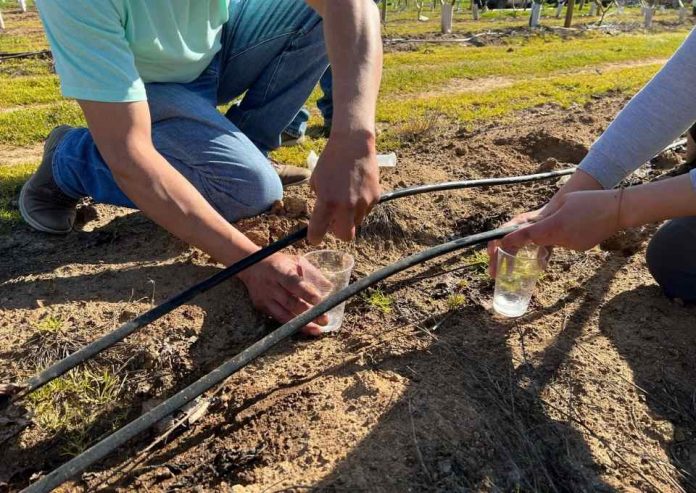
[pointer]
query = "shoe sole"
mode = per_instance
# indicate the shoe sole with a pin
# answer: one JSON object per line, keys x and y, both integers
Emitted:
{"x": 296, "y": 183}
{"x": 31, "y": 221}
{"x": 293, "y": 142}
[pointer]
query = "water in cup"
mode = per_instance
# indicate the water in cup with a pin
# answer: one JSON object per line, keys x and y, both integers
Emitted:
{"x": 516, "y": 276}
{"x": 329, "y": 273}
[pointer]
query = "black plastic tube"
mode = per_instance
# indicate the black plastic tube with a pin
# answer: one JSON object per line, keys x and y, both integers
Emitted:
{"x": 26, "y": 54}
{"x": 63, "y": 366}
{"x": 180, "y": 399}
{"x": 485, "y": 182}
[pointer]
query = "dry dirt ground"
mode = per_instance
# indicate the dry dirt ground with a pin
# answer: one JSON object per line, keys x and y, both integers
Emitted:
{"x": 592, "y": 390}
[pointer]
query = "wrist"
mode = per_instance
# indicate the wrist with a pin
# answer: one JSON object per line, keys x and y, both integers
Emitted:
{"x": 580, "y": 181}
{"x": 360, "y": 139}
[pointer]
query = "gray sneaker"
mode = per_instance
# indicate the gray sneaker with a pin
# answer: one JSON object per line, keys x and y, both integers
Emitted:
{"x": 42, "y": 204}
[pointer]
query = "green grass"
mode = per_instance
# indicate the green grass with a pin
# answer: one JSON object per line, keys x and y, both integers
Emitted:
{"x": 11, "y": 180}
{"x": 32, "y": 125}
{"x": 468, "y": 107}
{"x": 70, "y": 405}
{"x": 50, "y": 325}
{"x": 22, "y": 67}
{"x": 28, "y": 90}
{"x": 455, "y": 301}
{"x": 432, "y": 67}
{"x": 379, "y": 300}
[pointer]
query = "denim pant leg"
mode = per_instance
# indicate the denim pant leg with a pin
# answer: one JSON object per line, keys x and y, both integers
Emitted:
{"x": 298, "y": 126}
{"x": 325, "y": 102}
{"x": 671, "y": 258}
{"x": 274, "y": 50}
{"x": 198, "y": 141}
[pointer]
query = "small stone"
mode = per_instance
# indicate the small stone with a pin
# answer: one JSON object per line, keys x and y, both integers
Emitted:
{"x": 549, "y": 165}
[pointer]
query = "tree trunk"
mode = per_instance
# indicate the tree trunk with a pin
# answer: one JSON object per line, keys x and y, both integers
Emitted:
{"x": 446, "y": 17}
{"x": 648, "y": 13}
{"x": 593, "y": 9}
{"x": 23, "y": 5}
{"x": 384, "y": 11}
{"x": 682, "y": 14}
{"x": 569, "y": 13}
{"x": 2, "y": 23}
{"x": 559, "y": 10}
{"x": 534, "y": 18}
{"x": 474, "y": 10}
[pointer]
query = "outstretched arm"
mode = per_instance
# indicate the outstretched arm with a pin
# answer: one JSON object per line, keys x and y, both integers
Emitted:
{"x": 586, "y": 211}
{"x": 346, "y": 179}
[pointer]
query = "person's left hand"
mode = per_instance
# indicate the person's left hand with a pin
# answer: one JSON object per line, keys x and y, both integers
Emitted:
{"x": 346, "y": 181}
{"x": 578, "y": 220}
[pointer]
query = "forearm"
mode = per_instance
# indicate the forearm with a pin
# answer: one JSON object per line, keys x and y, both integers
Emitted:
{"x": 657, "y": 201}
{"x": 657, "y": 115}
{"x": 353, "y": 40}
{"x": 171, "y": 201}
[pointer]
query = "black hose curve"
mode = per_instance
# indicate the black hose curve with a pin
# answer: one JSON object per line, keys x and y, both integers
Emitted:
{"x": 63, "y": 366}
{"x": 183, "y": 397}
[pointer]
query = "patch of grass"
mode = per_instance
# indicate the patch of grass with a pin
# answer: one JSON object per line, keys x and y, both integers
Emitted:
{"x": 28, "y": 90}
{"x": 496, "y": 104}
{"x": 455, "y": 301}
{"x": 379, "y": 300}
{"x": 11, "y": 180}
{"x": 478, "y": 260}
{"x": 25, "y": 67}
{"x": 50, "y": 325}
{"x": 32, "y": 125}
{"x": 431, "y": 67}
{"x": 72, "y": 402}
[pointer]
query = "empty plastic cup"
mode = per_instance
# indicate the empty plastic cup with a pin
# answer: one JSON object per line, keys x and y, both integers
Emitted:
{"x": 516, "y": 276}
{"x": 334, "y": 267}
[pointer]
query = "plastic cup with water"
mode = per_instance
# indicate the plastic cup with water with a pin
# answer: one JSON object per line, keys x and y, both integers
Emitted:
{"x": 331, "y": 274}
{"x": 516, "y": 277}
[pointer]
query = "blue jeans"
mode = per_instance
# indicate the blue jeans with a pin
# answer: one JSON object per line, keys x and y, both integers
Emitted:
{"x": 671, "y": 258}
{"x": 298, "y": 127}
{"x": 273, "y": 52}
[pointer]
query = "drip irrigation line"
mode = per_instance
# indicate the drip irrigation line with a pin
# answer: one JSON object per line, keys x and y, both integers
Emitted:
{"x": 222, "y": 372}
{"x": 63, "y": 366}
{"x": 26, "y": 54}
{"x": 485, "y": 182}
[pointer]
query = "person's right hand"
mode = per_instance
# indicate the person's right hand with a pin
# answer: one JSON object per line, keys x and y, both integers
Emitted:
{"x": 277, "y": 287}
{"x": 527, "y": 217}
{"x": 580, "y": 180}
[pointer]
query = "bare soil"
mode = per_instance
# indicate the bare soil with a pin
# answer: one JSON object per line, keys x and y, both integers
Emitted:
{"x": 592, "y": 390}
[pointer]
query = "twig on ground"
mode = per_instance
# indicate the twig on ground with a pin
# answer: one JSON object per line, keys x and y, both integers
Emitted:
{"x": 415, "y": 443}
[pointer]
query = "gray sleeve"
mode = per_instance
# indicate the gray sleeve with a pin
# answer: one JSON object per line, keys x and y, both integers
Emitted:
{"x": 657, "y": 115}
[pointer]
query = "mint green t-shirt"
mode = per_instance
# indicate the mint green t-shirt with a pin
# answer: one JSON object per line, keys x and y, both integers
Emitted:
{"x": 106, "y": 50}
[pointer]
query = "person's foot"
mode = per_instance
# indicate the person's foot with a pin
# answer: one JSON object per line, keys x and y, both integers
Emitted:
{"x": 291, "y": 176}
{"x": 42, "y": 204}
{"x": 287, "y": 140}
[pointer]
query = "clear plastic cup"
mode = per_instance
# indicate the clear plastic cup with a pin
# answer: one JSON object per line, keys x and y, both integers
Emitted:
{"x": 516, "y": 276}
{"x": 334, "y": 267}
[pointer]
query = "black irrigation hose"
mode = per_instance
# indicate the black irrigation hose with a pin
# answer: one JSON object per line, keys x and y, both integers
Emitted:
{"x": 27, "y": 54}
{"x": 63, "y": 366}
{"x": 180, "y": 399}
{"x": 485, "y": 182}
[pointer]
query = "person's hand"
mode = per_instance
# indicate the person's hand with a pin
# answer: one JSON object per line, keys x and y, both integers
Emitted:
{"x": 579, "y": 181}
{"x": 346, "y": 181}
{"x": 277, "y": 287}
{"x": 577, "y": 220}
{"x": 527, "y": 217}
